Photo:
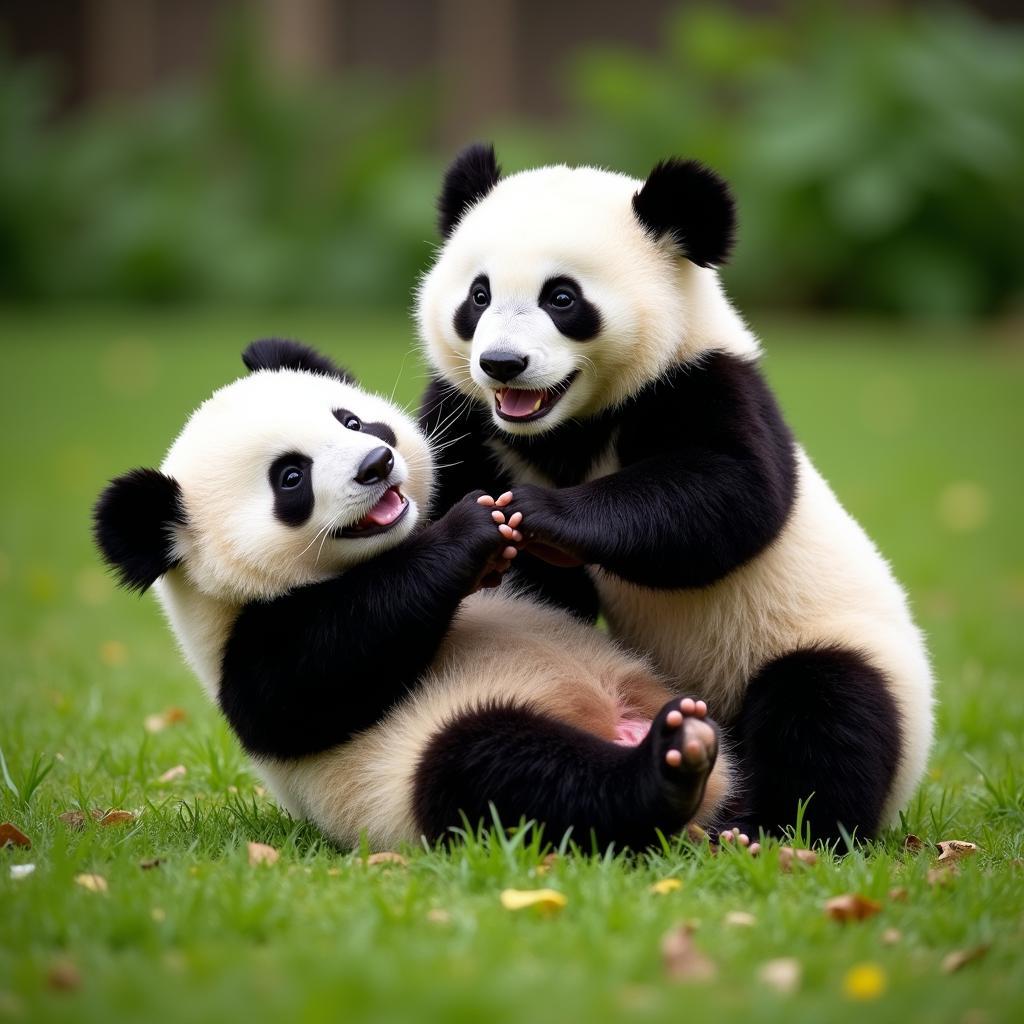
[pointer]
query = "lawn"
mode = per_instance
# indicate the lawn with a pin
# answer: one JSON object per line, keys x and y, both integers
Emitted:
{"x": 920, "y": 433}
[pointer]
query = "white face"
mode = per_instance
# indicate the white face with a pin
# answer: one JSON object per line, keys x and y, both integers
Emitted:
{"x": 289, "y": 478}
{"x": 550, "y": 301}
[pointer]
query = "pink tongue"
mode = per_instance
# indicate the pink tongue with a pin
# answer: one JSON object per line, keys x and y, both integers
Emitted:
{"x": 387, "y": 510}
{"x": 519, "y": 403}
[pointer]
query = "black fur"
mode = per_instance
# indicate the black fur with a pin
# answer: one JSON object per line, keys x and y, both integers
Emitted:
{"x": 132, "y": 524}
{"x": 293, "y": 505}
{"x": 816, "y": 721}
{"x": 691, "y": 203}
{"x": 463, "y": 427}
{"x": 581, "y": 321}
{"x": 707, "y": 477}
{"x": 308, "y": 670}
{"x": 351, "y": 421}
{"x": 469, "y": 311}
{"x": 530, "y": 765}
{"x": 470, "y": 176}
{"x": 283, "y": 354}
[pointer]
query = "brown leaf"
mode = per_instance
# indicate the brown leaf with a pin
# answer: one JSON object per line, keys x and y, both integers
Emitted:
{"x": 943, "y": 874}
{"x": 547, "y": 864}
{"x": 437, "y": 915}
{"x": 913, "y": 844}
{"x": 386, "y": 857}
{"x": 63, "y": 976}
{"x": 962, "y": 957}
{"x": 11, "y": 835}
{"x": 260, "y": 853}
{"x": 150, "y": 862}
{"x": 179, "y": 771}
{"x": 891, "y": 936}
{"x": 161, "y": 720}
{"x": 783, "y": 974}
{"x": 681, "y": 958}
{"x": 789, "y": 854}
{"x": 851, "y": 907}
{"x": 955, "y": 849}
{"x": 77, "y": 818}
{"x": 116, "y": 817}
{"x": 898, "y": 895}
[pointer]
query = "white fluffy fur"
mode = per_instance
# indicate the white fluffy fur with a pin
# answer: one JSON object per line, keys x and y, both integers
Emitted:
{"x": 234, "y": 550}
{"x": 822, "y": 581}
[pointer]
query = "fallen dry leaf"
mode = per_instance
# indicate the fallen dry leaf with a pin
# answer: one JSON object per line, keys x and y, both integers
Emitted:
{"x": 955, "y": 849}
{"x": 943, "y": 874}
{"x": 438, "y": 916}
{"x": 150, "y": 862}
{"x": 740, "y": 919}
{"x": 851, "y": 907}
{"x": 94, "y": 883}
{"x": 547, "y": 864}
{"x": 77, "y": 818}
{"x": 260, "y": 853}
{"x": 22, "y": 870}
{"x": 117, "y": 817}
{"x": 666, "y": 885}
{"x": 962, "y": 957}
{"x": 898, "y": 895}
{"x": 63, "y": 976}
{"x": 864, "y": 982}
{"x": 891, "y": 936}
{"x": 682, "y": 960}
{"x": 789, "y": 854}
{"x": 913, "y": 844}
{"x": 545, "y": 900}
{"x": 161, "y": 720}
{"x": 179, "y": 771}
{"x": 386, "y": 857}
{"x": 783, "y": 974}
{"x": 11, "y": 835}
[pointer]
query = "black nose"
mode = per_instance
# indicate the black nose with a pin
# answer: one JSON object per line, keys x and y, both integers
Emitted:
{"x": 502, "y": 366}
{"x": 376, "y": 466}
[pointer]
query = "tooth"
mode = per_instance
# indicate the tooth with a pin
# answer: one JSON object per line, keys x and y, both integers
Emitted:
{"x": 497, "y": 398}
{"x": 537, "y": 404}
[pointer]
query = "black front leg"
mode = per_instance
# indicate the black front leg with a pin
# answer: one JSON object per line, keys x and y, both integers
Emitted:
{"x": 307, "y": 671}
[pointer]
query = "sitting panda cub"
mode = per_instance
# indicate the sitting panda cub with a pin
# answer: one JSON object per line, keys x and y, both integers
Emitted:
{"x": 349, "y": 646}
{"x": 586, "y": 356}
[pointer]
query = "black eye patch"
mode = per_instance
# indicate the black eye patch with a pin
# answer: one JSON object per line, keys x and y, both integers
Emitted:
{"x": 467, "y": 316}
{"x": 291, "y": 480}
{"x": 351, "y": 421}
{"x": 571, "y": 312}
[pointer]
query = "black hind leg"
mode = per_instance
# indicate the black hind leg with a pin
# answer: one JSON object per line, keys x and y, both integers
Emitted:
{"x": 816, "y": 721}
{"x": 529, "y": 765}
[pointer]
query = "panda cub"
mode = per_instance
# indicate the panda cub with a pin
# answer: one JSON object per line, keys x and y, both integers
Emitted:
{"x": 586, "y": 356}
{"x": 349, "y": 646}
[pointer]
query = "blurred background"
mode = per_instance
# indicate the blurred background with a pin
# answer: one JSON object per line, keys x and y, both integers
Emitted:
{"x": 288, "y": 151}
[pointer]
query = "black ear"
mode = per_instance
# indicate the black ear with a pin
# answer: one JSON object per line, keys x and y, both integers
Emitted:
{"x": 132, "y": 525}
{"x": 471, "y": 175}
{"x": 690, "y": 202}
{"x": 282, "y": 354}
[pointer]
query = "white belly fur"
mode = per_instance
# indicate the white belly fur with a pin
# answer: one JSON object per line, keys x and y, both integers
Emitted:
{"x": 500, "y": 649}
{"x": 821, "y": 581}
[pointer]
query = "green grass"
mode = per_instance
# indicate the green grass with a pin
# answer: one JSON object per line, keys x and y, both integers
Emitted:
{"x": 920, "y": 434}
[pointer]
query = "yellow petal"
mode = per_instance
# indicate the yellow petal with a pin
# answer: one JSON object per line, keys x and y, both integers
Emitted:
{"x": 548, "y": 900}
{"x": 864, "y": 982}
{"x": 666, "y": 885}
{"x": 94, "y": 883}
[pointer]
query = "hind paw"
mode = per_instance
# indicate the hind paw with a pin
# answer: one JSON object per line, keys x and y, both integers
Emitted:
{"x": 684, "y": 744}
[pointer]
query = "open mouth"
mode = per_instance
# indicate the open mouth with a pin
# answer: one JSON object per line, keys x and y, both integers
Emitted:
{"x": 391, "y": 509}
{"x": 520, "y": 405}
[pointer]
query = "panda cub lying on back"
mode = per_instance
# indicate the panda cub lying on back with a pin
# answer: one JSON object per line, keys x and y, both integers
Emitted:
{"x": 587, "y": 357}
{"x": 347, "y": 647}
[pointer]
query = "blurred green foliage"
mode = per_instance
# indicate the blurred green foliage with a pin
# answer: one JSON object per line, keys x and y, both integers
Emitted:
{"x": 878, "y": 159}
